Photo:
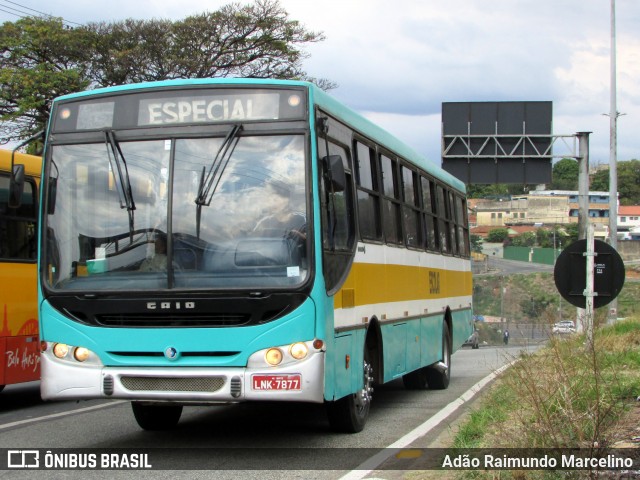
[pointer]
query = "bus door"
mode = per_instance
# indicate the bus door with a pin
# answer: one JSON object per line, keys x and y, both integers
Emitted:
{"x": 19, "y": 346}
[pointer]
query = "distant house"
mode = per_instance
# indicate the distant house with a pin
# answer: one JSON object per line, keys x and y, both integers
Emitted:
{"x": 628, "y": 217}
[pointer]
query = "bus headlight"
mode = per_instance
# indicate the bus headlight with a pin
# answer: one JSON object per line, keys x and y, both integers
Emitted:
{"x": 81, "y": 354}
{"x": 298, "y": 351}
{"x": 283, "y": 355}
{"x": 70, "y": 353}
{"x": 273, "y": 356}
{"x": 60, "y": 350}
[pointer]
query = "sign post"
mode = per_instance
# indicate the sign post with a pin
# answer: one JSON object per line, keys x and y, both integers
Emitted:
{"x": 589, "y": 294}
{"x": 589, "y": 274}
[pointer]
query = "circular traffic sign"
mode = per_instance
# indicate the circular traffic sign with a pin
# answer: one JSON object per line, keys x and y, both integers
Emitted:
{"x": 570, "y": 273}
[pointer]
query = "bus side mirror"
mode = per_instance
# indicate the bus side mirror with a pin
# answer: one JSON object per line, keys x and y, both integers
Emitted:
{"x": 335, "y": 172}
{"x": 16, "y": 186}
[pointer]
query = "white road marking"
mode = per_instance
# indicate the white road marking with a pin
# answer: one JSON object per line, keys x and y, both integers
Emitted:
{"x": 59, "y": 415}
{"x": 372, "y": 463}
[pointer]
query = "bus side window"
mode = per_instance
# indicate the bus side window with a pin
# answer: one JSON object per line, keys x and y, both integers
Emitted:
{"x": 443, "y": 223}
{"x": 18, "y": 225}
{"x": 343, "y": 234}
{"x": 463, "y": 229}
{"x": 338, "y": 240}
{"x": 430, "y": 214}
{"x": 368, "y": 197}
{"x": 390, "y": 203}
{"x": 410, "y": 209}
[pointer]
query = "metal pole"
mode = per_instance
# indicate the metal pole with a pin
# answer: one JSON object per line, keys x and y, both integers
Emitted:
{"x": 613, "y": 160}
{"x": 588, "y": 292}
{"x": 583, "y": 183}
{"x": 583, "y": 200}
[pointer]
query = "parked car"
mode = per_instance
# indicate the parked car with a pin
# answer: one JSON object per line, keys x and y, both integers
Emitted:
{"x": 565, "y": 326}
{"x": 472, "y": 340}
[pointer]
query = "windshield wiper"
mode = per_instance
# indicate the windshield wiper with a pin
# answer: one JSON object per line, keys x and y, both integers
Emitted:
{"x": 209, "y": 182}
{"x": 123, "y": 184}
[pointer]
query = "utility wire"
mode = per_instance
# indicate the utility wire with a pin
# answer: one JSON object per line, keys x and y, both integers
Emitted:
{"x": 2, "y": 9}
{"x": 27, "y": 14}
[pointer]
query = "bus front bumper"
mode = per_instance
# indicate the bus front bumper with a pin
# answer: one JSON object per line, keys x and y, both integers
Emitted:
{"x": 298, "y": 382}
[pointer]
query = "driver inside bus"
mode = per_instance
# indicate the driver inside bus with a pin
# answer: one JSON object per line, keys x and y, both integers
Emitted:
{"x": 286, "y": 217}
{"x": 284, "y": 224}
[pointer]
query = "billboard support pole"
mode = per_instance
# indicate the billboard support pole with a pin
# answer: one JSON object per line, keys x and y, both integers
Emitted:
{"x": 583, "y": 183}
{"x": 583, "y": 203}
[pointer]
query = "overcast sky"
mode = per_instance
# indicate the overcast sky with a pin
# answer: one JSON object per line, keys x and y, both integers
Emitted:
{"x": 397, "y": 61}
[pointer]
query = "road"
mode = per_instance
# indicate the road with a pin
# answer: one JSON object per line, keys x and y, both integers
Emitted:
{"x": 232, "y": 439}
{"x": 500, "y": 266}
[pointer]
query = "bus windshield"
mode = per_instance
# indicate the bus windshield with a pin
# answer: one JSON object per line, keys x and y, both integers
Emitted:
{"x": 195, "y": 213}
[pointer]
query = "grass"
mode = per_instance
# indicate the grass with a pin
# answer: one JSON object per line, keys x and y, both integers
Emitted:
{"x": 569, "y": 394}
{"x": 521, "y": 290}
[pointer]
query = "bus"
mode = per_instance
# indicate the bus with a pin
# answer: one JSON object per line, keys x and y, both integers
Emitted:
{"x": 214, "y": 241}
{"x": 19, "y": 346}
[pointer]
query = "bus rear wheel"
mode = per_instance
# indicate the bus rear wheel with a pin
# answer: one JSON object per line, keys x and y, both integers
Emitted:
{"x": 438, "y": 375}
{"x": 349, "y": 414}
{"x": 156, "y": 416}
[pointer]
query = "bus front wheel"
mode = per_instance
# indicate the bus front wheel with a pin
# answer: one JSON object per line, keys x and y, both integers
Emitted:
{"x": 349, "y": 414}
{"x": 156, "y": 417}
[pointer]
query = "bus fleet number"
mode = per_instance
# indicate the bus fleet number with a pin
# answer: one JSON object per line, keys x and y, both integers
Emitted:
{"x": 434, "y": 283}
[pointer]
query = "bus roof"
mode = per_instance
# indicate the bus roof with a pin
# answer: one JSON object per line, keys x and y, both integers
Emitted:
{"x": 318, "y": 97}
{"x": 381, "y": 136}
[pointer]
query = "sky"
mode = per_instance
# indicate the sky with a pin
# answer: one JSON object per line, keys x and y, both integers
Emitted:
{"x": 396, "y": 62}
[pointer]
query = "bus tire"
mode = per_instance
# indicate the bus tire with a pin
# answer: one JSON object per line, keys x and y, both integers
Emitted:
{"x": 349, "y": 414}
{"x": 438, "y": 377}
{"x": 1, "y": 387}
{"x": 156, "y": 416}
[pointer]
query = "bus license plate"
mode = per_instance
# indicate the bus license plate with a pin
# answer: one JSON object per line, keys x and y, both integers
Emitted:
{"x": 276, "y": 382}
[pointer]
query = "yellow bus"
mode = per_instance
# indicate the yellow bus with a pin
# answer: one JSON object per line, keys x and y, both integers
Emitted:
{"x": 19, "y": 345}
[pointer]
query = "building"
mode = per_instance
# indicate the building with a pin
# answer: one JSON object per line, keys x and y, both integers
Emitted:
{"x": 538, "y": 208}
{"x": 628, "y": 217}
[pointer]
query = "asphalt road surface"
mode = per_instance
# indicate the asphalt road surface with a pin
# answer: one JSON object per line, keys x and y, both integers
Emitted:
{"x": 270, "y": 440}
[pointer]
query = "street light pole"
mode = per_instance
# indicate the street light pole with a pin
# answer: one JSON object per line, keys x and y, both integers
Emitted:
{"x": 613, "y": 160}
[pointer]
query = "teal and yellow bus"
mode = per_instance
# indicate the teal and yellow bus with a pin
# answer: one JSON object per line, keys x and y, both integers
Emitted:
{"x": 229, "y": 240}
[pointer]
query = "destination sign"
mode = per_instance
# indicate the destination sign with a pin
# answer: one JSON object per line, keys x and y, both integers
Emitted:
{"x": 211, "y": 108}
{"x": 161, "y": 108}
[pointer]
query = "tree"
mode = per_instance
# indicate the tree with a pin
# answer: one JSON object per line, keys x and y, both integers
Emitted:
{"x": 497, "y": 190}
{"x": 565, "y": 175}
{"x": 571, "y": 233}
{"x": 526, "y": 239}
{"x": 41, "y": 59}
{"x": 628, "y": 182}
{"x": 476, "y": 243}
{"x": 257, "y": 40}
{"x": 497, "y": 235}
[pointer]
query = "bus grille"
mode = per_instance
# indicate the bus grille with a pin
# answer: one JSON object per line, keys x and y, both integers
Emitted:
{"x": 173, "y": 384}
{"x": 172, "y": 320}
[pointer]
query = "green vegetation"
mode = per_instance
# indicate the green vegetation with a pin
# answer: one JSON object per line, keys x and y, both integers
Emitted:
{"x": 43, "y": 58}
{"x": 533, "y": 298}
{"x": 565, "y": 177}
{"x": 628, "y": 182}
{"x": 497, "y": 235}
{"x": 569, "y": 394}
